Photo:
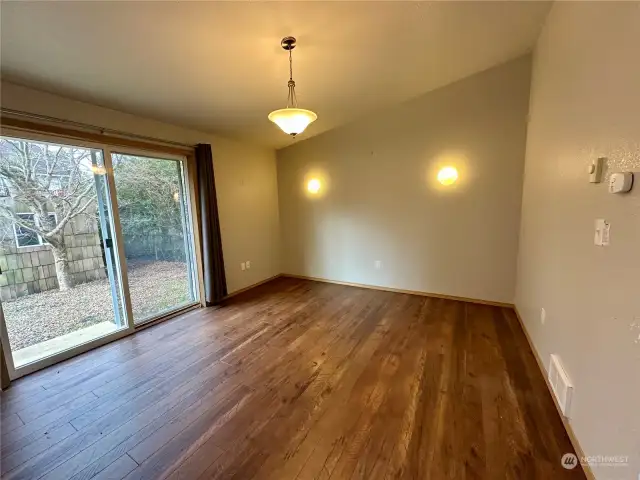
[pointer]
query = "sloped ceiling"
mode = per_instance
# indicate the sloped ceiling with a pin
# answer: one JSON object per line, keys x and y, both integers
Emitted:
{"x": 218, "y": 66}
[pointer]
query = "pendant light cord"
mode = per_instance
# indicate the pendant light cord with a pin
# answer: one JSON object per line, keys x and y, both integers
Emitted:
{"x": 290, "y": 66}
{"x": 292, "y": 100}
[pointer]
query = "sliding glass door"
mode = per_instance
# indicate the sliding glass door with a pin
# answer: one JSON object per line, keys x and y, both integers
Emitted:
{"x": 157, "y": 234}
{"x": 59, "y": 285}
{"x": 92, "y": 243}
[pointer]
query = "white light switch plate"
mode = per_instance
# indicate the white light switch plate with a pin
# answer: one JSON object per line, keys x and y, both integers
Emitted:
{"x": 603, "y": 233}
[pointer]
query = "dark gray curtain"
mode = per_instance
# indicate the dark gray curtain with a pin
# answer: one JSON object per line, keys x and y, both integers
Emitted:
{"x": 4, "y": 373}
{"x": 215, "y": 283}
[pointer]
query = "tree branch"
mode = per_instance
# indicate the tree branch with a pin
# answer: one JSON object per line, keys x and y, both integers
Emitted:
{"x": 73, "y": 210}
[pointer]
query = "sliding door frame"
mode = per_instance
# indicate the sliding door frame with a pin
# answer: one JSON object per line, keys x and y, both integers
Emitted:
{"x": 121, "y": 261}
{"x": 191, "y": 213}
{"x": 190, "y": 184}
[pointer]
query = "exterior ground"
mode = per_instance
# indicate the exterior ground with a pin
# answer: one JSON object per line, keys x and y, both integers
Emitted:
{"x": 154, "y": 286}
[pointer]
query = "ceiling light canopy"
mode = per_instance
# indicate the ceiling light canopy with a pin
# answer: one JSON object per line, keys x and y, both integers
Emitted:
{"x": 292, "y": 120}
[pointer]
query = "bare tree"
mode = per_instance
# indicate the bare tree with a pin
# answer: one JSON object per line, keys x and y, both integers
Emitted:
{"x": 45, "y": 179}
{"x": 149, "y": 199}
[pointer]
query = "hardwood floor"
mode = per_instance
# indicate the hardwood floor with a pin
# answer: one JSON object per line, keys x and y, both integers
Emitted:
{"x": 295, "y": 380}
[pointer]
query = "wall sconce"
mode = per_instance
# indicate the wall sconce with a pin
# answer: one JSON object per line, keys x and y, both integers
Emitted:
{"x": 98, "y": 169}
{"x": 313, "y": 186}
{"x": 447, "y": 175}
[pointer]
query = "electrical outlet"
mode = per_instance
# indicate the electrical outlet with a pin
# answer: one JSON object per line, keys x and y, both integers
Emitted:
{"x": 378, "y": 264}
{"x": 543, "y": 316}
{"x": 242, "y": 266}
{"x": 248, "y": 264}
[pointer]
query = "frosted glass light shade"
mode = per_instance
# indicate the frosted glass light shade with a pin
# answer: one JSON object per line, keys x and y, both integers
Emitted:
{"x": 292, "y": 120}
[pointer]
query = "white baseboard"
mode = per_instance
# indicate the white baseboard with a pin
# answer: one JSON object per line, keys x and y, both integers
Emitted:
{"x": 398, "y": 290}
{"x": 567, "y": 425}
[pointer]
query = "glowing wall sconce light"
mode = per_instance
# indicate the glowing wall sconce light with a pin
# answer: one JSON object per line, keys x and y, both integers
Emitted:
{"x": 313, "y": 186}
{"x": 447, "y": 175}
{"x": 98, "y": 169}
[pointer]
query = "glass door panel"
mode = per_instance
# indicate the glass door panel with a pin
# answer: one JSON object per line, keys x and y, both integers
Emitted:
{"x": 156, "y": 228}
{"x": 59, "y": 285}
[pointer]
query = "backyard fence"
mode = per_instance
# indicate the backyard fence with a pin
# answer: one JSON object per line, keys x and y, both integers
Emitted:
{"x": 157, "y": 247}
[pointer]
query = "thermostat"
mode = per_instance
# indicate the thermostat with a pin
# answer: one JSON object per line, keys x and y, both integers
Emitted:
{"x": 620, "y": 182}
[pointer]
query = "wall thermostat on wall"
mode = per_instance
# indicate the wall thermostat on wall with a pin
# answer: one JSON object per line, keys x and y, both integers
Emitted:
{"x": 620, "y": 182}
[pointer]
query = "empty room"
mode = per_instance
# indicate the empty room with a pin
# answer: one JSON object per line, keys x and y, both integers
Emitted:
{"x": 320, "y": 240}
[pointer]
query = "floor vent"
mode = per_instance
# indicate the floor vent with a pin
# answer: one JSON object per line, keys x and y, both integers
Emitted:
{"x": 561, "y": 384}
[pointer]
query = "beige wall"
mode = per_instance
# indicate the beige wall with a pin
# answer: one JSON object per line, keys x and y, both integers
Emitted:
{"x": 247, "y": 188}
{"x": 585, "y": 103}
{"x": 245, "y": 178}
{"x": 382, "y": 201}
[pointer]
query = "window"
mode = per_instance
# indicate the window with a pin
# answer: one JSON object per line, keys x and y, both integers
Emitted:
{"x": 57, "y": 184}
{"x": 25, "y": 237}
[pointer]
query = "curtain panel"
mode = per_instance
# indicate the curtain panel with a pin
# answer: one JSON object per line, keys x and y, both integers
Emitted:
{"x": 215, "y": 284}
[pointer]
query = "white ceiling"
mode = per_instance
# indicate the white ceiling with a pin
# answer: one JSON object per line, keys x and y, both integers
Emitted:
{"x": 218, "y": 66}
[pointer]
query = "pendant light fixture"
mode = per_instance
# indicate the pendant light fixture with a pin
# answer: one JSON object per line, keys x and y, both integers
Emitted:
{"x": 292, "y": 120}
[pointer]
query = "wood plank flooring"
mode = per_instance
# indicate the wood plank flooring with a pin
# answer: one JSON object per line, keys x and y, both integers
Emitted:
{"x": 295, "y": 380}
